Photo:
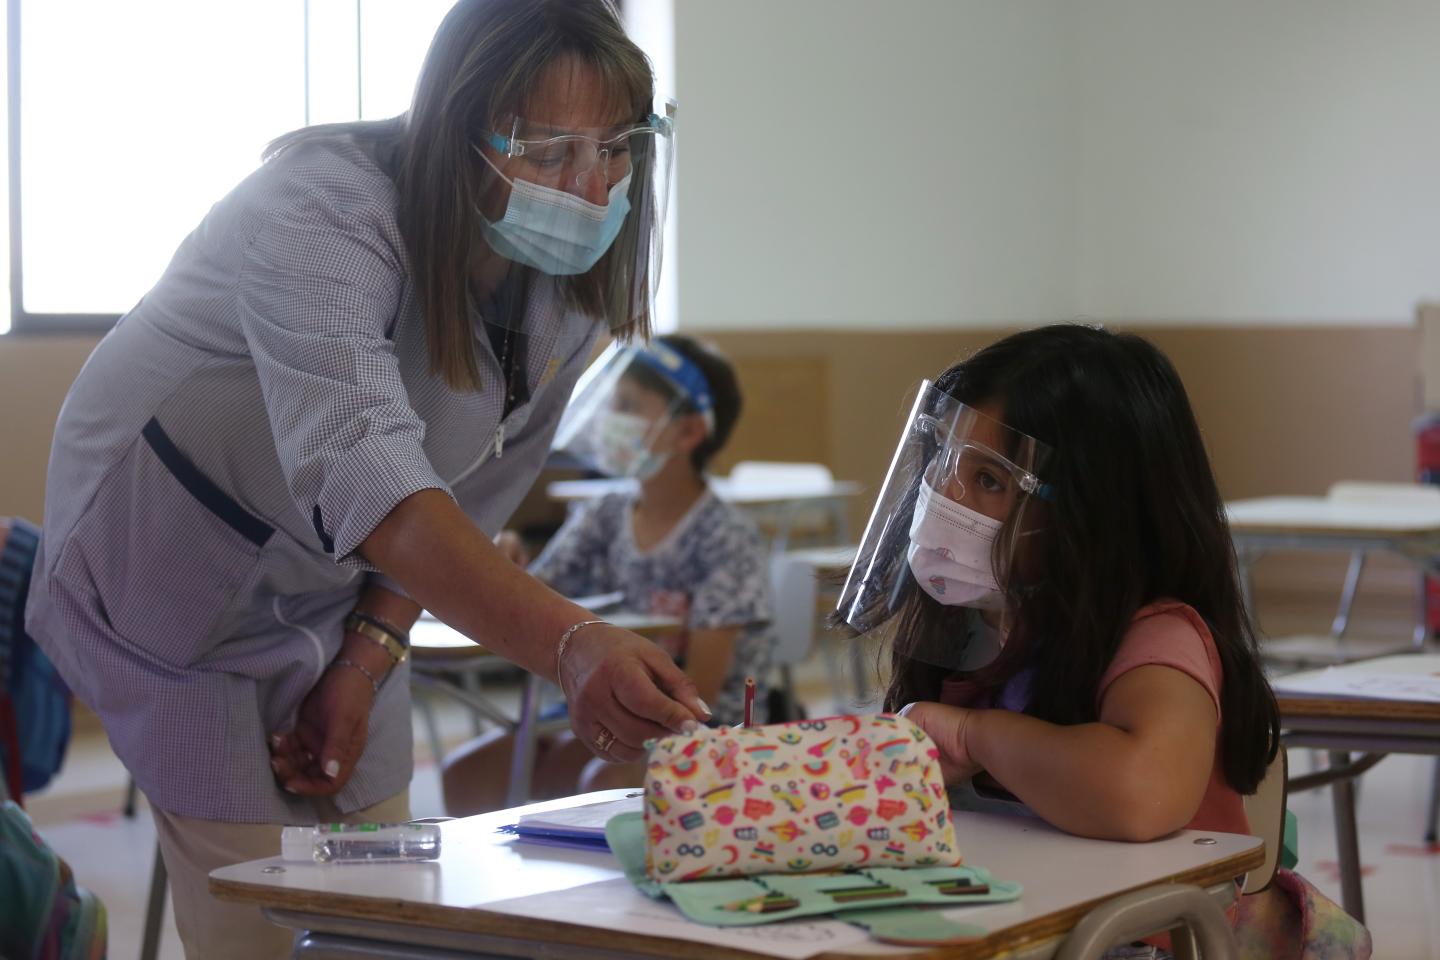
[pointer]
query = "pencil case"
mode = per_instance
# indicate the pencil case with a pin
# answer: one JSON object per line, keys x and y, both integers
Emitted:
{"x": 842, "y": 792}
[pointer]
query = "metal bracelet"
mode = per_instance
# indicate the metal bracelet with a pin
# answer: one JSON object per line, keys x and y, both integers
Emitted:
{"x": 347, "y": 662}
{"x": 560, "y": 650}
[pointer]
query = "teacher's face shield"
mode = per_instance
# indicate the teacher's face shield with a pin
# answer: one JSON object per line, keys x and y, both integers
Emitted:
{"x": 957, "y": 499}
{"x": 619, "y": 420}
{"x": 581, "y": 203}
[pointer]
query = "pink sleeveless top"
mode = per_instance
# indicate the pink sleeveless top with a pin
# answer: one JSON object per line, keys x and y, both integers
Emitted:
{"x": 1169, "y": 634}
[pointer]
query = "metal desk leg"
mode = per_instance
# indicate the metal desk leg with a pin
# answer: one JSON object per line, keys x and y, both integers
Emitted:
{"x": 1347, "y": 596}
{"x": 1422, "y": 612}
{"x": 154, "y": 909}
{"x": 522, "y": 758}
{"x": 1347, "y": 842}
{"x": 1434, "y": 805}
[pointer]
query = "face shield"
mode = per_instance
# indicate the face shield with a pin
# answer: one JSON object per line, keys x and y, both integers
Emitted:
{"x": 957, "y": 501}
{"x": 584, "y": 202}
{"x": 618, "y": 417}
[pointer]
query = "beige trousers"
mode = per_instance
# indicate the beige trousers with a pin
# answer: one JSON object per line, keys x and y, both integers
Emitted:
{"x": 212, "y": 929}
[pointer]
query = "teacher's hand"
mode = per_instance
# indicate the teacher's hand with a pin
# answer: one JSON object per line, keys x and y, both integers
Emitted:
{"x": 623, "y": 684}
{"x": 319, "y": 755}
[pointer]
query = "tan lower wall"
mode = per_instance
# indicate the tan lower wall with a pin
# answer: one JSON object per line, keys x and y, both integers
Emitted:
{"x": 1284, "y": 410}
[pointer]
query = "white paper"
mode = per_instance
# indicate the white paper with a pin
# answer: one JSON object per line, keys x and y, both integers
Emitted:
{"x": 1421, "y": 686}
{"x": 590, "y": 818}
{"x": 616, "y": 905}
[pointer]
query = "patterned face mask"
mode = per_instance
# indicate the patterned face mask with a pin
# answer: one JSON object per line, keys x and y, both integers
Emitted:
{"x": 951, "y": 549}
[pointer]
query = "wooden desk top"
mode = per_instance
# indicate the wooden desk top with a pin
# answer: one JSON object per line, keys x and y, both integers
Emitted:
{"x": 1365, "y": 690}
{"x": 487, "y": 884}
{"x": 1322, "y": 516}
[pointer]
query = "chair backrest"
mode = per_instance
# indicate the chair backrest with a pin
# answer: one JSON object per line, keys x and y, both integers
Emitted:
{"x": 796, "y": 593}
{"x": 1265, "y": 809}
{"x": 1416, "y": 494}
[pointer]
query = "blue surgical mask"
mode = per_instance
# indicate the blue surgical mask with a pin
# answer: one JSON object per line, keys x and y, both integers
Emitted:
{"x": 553, "y": 231}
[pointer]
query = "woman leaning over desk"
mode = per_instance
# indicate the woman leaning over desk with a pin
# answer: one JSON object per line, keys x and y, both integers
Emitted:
{"x": 314, "y": 423}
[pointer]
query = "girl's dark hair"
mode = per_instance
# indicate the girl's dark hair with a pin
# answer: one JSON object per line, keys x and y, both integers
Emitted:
{"x": 724, "y": 390}
{"x": 486, "y": 59}
{"x": 1136, "y": 517}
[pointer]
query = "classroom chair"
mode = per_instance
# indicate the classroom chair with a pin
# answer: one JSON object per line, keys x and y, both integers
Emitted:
{"x": 802, "y": 601}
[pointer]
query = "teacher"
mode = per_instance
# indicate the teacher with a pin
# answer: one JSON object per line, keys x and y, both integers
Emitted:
{"x": 316, "y": 421}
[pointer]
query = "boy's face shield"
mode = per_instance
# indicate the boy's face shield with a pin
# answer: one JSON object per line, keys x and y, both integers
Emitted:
{"x": 574, "y": 192}
{"x": 978, "y": 477}
{"x": 617, "y": 417}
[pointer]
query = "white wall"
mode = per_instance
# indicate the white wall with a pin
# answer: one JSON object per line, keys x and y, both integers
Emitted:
{"x": 1272, "y": 161}
{"x": 940, "y": 163}
{"x": 859, "y": 163}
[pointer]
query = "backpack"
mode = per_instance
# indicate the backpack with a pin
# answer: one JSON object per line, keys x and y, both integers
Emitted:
{"x": 42, "y": 913}
{"x": 34, "y": 701}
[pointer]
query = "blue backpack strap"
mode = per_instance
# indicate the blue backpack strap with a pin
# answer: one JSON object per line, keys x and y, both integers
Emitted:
{"x": 33, "y": 691}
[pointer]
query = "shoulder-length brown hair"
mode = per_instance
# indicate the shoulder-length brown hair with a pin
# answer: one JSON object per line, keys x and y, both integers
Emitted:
{"x": 487, "y": 56}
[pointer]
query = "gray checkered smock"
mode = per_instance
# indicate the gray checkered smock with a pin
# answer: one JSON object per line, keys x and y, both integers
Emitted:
{"x": 227, "y": 448}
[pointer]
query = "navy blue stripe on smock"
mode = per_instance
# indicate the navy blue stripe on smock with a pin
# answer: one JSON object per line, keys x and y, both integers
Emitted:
{"x": 202, "y": 488}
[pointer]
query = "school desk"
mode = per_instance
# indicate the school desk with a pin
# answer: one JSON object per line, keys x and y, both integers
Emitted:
{"x": 490, "y": 896}
{"x": 1402, "y": 526}
{"x": 1362, "y": 707}
{"x": 440, "y": 653}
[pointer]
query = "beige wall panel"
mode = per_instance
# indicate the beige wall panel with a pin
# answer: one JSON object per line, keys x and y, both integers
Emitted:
{"x": 35, "y": 373}
{"x": 1284, "y": 410}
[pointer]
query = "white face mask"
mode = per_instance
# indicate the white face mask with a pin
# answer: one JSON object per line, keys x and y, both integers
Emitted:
{"x": 623, "y": 448}
{"x": 951, "y": 550}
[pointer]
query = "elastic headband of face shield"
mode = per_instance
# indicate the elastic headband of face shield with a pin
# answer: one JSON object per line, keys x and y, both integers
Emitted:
{"x": 622, "y": 285}
{"x": 684, "y": 374}
{"x": 972, "y": 461}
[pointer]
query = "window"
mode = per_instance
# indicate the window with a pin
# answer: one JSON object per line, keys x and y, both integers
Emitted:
{"x": 134, "y": 118}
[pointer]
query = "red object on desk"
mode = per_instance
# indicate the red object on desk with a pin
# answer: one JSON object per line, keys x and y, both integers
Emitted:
{"x": 749, "y": 699}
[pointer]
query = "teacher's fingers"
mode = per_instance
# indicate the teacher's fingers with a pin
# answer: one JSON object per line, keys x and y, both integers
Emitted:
{"x": 666, "y": 688}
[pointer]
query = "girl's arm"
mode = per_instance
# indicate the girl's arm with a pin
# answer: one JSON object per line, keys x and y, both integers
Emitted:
{"x": 708, "y": 655}
{"x": 1137, "y": 774}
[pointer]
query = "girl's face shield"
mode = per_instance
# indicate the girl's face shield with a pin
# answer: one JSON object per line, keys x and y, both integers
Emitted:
{"x": 964, "y": 456}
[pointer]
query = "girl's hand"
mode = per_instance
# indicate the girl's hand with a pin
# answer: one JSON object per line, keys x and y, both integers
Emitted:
{"x": 512, "y": 547}
{"x": 319, "y": 755}
{"x": 947, "y": 726}
{"x": 619, "y": 682}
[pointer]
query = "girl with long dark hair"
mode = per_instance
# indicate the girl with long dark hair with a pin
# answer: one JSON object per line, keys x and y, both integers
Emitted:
{"x": 1051, "y": 562}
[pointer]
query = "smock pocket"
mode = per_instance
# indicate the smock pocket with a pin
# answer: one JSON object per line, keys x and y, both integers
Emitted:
{"x": 165, "y": 550}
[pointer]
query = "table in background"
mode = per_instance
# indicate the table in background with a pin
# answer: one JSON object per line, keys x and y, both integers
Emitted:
{"x": 440, "y": 653}
{"x": 485, "y": 896}
{"x": 1410, "y": 530}
{"x": 1373, "y": 727}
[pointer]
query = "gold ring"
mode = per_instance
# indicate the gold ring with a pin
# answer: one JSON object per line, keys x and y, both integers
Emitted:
{"x": 604, "y": 739}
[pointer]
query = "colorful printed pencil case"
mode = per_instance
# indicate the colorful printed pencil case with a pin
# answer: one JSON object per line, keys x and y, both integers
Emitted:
{"x": 843, "y": 792}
